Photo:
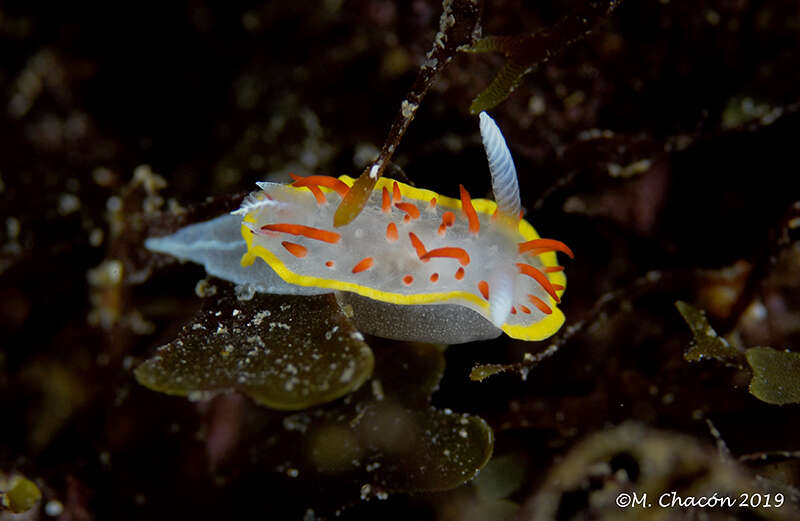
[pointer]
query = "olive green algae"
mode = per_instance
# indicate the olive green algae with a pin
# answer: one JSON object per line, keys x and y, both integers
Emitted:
{"x": 284, "y": 352}
{"x": 775, "y": 374}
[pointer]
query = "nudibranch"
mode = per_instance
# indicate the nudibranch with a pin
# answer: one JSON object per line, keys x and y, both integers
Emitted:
{"x": 414, "y": 265}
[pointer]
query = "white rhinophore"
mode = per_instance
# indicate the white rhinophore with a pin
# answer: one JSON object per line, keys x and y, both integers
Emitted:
{"x": 501, "y": 166}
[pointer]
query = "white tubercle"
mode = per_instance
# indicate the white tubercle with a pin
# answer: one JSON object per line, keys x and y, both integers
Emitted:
{"x": 255, "y": 201}
{"x": 501, "y": 166}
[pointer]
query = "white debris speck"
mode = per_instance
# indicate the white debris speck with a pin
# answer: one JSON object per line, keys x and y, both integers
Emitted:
{"x": 463, "y": 433}
{"x": 200, "y": 396}
{"x": 96, "y": 237}
{"x": 197, "y": 325}
{"x": 292, "y": 473}
{"x": 221, "y": 329}
{"x": 364, "y": 153}
{"x": 635, "y": 168}
{"x": 537, "y": 105}
{"x": 408, "y": 109}
{"x": 297, "y": 422}
{"x": 377, "y": 389}
{"x": 440, "y": 39}
{"x": 53, "y": 508}
{"x": 260, "y": 316}
{"x": 373, "y": 172}
{"x": 373, "y": 466}
{"x": 280, "y": 325}
{"x": 235, "y": 312}
{"x": 348, "y": 372}
{"x": 357, "y": 336}
{"x": 68, "y": 203}
{"x": 12, "y": 228}
{"x": 329, "y": 334}
{"x": 144, "y": 176}
{"x": 255, "y": 339}
{"x": 114, "y": 204}
{"x": 109, "y": 273}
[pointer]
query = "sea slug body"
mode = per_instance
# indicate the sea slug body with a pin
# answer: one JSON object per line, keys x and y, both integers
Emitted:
{"x": 415, "y": 265}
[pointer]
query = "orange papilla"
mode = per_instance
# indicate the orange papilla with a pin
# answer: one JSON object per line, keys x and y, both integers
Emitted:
{"x": 553, "y": 269}
{"x": 329, "y": 264}
{"x": 391, "y": 232}
{"x": 396, "y": 195}
{"x": 433, "y": 202}
{"x": 305, "y": 231}
{"x": 558, "y": 287}
{"x": 469, "y": 211}
{"x": 410, "y": 208}
{"x": 539, "y": 246}
{"x": 297, "y": 250}
{"x": 525, "y": 309}
{"x": 483, "y": 287}
{"x": 452, "y": 252}
{"x": 448, "y": 218}
{"x": 513, "y": 310}
{"x": 434, "y": 277}
{"x": 540, "y": 277}
{"x": 421, "y": 251}
{"x": 442, "y": 230}
{"x": 321, "y": 180}
{"x": 386, "y": 202}
{"x": 459, "y": 273}
{"x": 407, "y": 280}
{"x": 539, "y": 303}
{"x": 318, "y": 195}
{"x": 363, "y": 265}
